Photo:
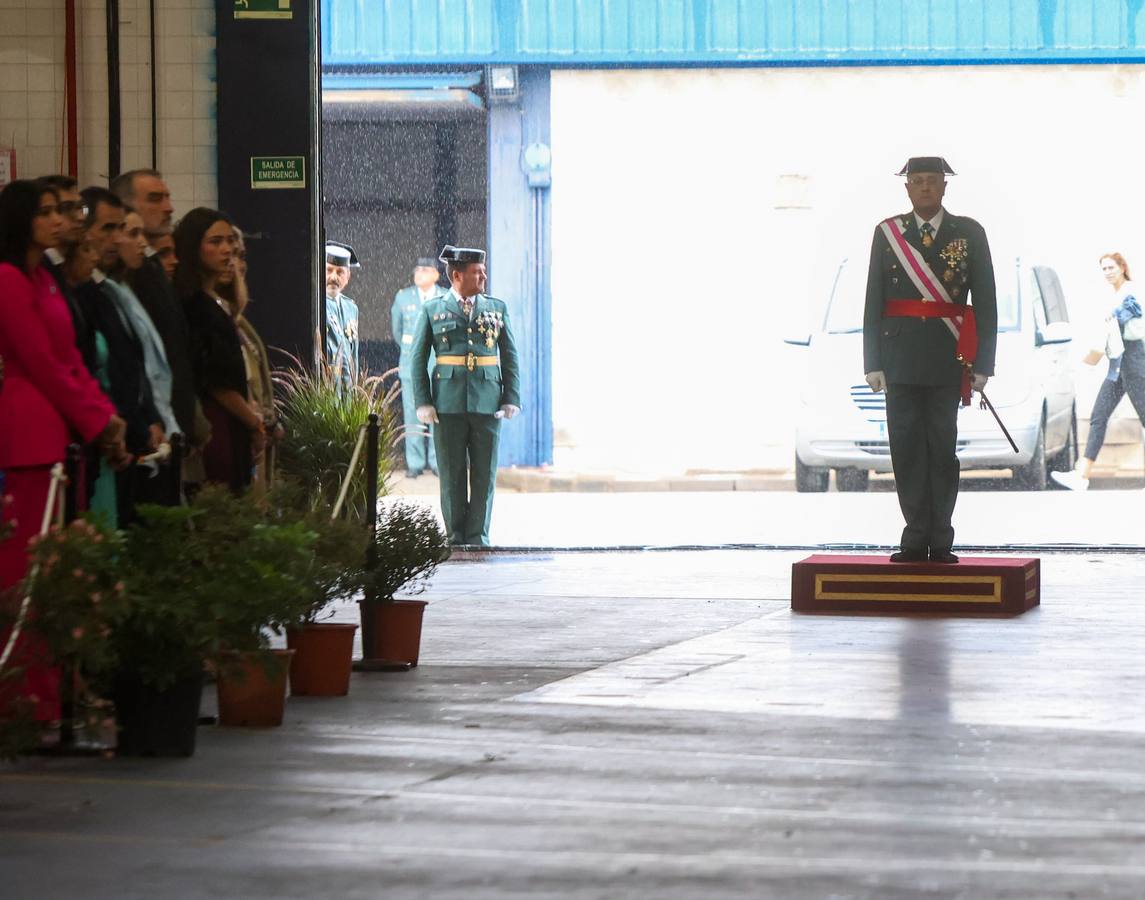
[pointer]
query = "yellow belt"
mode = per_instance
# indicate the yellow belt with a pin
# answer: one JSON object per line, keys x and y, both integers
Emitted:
{"x": 471, "y": 361}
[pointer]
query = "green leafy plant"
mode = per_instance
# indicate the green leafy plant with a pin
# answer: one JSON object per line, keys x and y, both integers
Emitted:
{"x": 323, "y": 417}
{"x": 337, "y": 565}
{"x": 246, "y": 574}
{"x": 408, "y": 547}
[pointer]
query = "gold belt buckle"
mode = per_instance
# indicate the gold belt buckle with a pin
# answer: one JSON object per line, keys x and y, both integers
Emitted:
{"x": 471, "y": 361}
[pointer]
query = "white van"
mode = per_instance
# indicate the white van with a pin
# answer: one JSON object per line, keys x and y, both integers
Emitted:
{"x": 842, "y": 424}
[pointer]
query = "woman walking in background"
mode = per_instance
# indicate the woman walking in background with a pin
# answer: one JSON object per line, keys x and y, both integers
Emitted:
{"x": 1126, "y": 373}
{"x": 48, "y": 400}
{"x": 204, "y": 245}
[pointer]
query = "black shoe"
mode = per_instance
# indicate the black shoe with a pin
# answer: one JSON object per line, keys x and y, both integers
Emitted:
{"x": 410, "y": 473}
{"x": 942, "y": 556}
{"x": 909, "y": 556}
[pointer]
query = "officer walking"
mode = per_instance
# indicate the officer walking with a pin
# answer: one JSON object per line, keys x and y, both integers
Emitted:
{"x": 341, "y": 312}
{"x": 420, "y": 453}
{"x": 928, "y": 349}
{"x": 476, "y": 382}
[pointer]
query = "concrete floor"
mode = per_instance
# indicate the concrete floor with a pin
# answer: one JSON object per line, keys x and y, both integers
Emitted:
{"x": 652, "y": 724}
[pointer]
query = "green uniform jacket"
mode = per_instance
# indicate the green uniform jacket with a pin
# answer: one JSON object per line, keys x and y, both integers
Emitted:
{"x": 454, "y": 388}
{"x": 404, "y": 314}
{"x": 921, "y": 351}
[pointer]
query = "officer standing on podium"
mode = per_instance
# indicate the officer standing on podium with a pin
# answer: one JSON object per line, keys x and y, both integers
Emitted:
{"x": 404, "y": 314}
{"x": 920, "y": 346}
{"x": 476, "y": 383}
{"x": 341, "y": 312}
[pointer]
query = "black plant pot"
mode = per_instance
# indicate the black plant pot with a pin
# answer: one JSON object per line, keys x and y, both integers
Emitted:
{"x": 157, "y": 723}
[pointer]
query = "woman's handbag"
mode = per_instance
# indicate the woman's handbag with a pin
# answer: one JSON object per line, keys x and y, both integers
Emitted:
{"x": 1134, "y": 329}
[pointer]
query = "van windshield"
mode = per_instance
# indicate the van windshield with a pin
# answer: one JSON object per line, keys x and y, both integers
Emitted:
{"x": 844, "y": 313}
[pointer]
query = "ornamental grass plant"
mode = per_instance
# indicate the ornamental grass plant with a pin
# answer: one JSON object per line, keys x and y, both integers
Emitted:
{"x": 323, "y": 417}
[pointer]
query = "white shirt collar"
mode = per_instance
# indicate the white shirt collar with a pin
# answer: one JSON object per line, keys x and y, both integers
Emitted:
{"x": 149, "y": 251}
{"x": 54, "y": 256}
{"x": 98, "y": 276}
{"x": 935, "y": 223}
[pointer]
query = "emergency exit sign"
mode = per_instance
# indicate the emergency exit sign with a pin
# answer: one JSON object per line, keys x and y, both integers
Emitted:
{"x": 263, "y": 9}
{"x": 277, "y": 172}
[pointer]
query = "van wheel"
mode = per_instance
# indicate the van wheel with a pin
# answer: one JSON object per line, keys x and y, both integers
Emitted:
{"x": 809, "y": 479}
{"x": 855, "y": 480}
{"x": 1032, "y": 476}
{"x": 1066, "y": 458}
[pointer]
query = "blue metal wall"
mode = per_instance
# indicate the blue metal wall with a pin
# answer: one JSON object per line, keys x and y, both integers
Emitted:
{"x": 711, "y": 32}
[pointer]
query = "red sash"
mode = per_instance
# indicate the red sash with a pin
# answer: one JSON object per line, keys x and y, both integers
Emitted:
{"x": 935, "y": 302}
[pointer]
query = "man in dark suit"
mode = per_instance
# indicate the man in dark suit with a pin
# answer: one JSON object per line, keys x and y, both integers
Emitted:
{"x": 145, "y": 192}
{"x": 918, "y": 346}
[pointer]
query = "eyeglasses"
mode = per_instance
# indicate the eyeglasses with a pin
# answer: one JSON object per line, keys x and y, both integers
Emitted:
{"x": 921, "y": 181}
{"x": 72, "y": 208}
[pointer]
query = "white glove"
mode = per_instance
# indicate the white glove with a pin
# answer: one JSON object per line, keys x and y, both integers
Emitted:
{"x": 427, "y": 414}
{"x": 978, "y": 381}
{"x": 507, "y": 411}
{"x": 877, "y": 381}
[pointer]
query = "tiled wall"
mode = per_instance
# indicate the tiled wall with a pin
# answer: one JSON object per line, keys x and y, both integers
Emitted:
{"x": 32, "y": 111}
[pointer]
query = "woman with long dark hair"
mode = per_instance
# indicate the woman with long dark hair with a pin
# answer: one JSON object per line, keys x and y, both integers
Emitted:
{"x": 204, "y": 245}
{"x": 48, "y": 400}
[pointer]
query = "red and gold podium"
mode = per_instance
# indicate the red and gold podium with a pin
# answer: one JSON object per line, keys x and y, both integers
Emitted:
{"x": 977, "y": 585}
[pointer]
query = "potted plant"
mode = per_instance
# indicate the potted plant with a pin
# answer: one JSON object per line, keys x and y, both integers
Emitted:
{"x": 323, "y": 418}
{"x": 251, "y": 574}
{"x": 408, "y": 546}
{"x": 323, "y": 650}
{"x": 75, "y": 595}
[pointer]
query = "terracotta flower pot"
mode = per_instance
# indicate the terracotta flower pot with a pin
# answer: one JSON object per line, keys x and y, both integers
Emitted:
{"x": 252, "y": 688}
{"x": 391, "y": 630}
{"x": 323, "y": 655}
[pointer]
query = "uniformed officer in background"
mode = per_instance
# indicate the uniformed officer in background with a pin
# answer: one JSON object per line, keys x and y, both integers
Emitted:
{"x": 925, "y": 266}
{"x": 420, "y": 453}
{"x": 341, "y": 312}
{"x": 475, "y": 383}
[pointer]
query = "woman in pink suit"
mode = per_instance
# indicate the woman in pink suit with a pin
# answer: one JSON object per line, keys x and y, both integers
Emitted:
{"x": 48, "y": 399}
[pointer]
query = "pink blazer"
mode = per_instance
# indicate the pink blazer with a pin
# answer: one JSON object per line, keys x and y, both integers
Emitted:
{"x": 48, "y": 395}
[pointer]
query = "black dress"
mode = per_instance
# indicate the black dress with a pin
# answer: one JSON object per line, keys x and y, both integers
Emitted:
{"x": 217, "y": 359}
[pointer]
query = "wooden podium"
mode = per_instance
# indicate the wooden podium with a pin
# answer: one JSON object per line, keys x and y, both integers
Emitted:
{"x": 977, "y": 586}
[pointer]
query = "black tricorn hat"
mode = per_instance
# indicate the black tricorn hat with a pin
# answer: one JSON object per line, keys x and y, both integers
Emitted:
{"x": 425, "y": 262}
{"x": 461, "y": 255}
{"x": 927, "y": 164}
{"x": 340, "y": 254}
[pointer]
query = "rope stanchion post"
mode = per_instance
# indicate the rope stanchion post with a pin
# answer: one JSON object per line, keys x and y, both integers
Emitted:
{"x": 175, "y": 471}
{"x": 366, "y": 606}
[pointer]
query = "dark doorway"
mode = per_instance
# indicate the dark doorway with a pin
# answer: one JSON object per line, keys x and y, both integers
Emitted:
{"x": 400, "y": 183}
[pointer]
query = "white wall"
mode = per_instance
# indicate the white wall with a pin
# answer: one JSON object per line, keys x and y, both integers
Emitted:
{"x": 696, "y": 214}
{"x": 32, "y": 112}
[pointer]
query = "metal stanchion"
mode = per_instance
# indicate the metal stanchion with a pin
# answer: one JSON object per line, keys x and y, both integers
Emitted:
{"x": 175, "y": 471}
{"x": 370, "y": 662}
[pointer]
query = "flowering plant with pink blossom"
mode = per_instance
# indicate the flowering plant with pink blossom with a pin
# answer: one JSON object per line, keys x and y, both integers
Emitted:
{"x": 77, "y": 593}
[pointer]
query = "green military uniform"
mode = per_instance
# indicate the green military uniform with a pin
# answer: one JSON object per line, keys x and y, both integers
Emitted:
{"x": 476, "y": 373}
{"x": 342, "y": 337}
{"x": 923, "y": 374}
{"x": 420, "y": 452}
{"x": 341, "y": 331}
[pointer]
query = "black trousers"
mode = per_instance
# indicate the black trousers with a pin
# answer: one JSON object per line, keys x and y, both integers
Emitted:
{"x": 1131, "y": 381}
{"x": 922, "y": 425}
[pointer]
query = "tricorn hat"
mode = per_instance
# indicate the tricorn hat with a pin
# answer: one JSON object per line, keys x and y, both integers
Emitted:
{"x": 926, "y": 164}
{"x": 461, "y": 255}
{"x": 339, "y": 254}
